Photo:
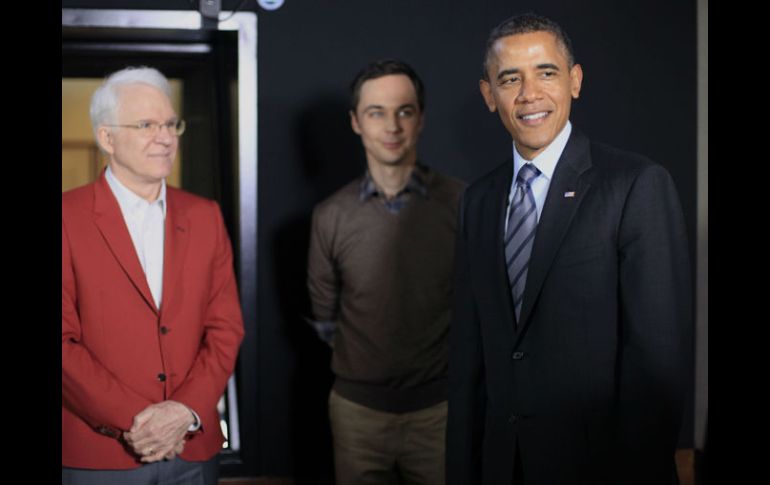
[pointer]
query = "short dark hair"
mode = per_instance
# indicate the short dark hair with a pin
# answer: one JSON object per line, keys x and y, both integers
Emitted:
{"x": 382, "y": 68}
{"x": 525, "y": 24}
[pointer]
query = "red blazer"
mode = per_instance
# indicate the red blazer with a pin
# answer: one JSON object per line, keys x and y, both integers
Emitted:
{"x": 119, "y": 352}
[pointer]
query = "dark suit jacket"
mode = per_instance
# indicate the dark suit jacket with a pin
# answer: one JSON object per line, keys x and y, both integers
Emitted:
{"x": 589, "y": 384}
{"x": 119, "y": 352}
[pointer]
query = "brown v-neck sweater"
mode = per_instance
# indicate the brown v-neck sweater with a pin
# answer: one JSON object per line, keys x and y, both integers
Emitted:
{"x": 386, "y": 280}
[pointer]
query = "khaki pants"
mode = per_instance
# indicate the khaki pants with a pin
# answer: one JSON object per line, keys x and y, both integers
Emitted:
{"x": 378, "y": 448}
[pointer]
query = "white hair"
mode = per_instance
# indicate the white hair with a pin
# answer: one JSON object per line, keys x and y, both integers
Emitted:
{"x": 106, "y": 99}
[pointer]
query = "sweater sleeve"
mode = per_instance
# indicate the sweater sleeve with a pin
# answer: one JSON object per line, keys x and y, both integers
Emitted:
{"x": 323, "y": 279}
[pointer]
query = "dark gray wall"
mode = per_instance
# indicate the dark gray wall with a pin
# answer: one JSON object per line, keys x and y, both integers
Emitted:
{"x": 639, "y": 93}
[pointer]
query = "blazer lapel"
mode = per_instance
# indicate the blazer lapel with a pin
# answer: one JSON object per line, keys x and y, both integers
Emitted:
{"x": 556, "y": 216}
{"x": 109, "y": 220}
{"x": 175, "y": 246}
{"x": 493, "y": 215}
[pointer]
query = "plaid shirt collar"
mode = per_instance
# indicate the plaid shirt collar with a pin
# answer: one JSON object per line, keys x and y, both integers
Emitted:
{"x": 417, "y": 183}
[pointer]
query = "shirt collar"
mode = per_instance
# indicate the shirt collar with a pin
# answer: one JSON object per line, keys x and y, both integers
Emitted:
{"x": 417, "y": 183}
{"x": 128, "y": 201}
{"x": 547, "y": 160}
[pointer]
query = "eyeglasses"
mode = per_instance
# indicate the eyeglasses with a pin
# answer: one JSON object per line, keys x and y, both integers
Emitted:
{"x": 152, "y": 128}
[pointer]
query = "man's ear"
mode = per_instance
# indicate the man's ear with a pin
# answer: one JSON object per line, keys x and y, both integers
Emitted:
{"x": 354, "y": 122}
{"x": 576, "y": 80}
{"x": 486, "y": 92}
{"x": 105, "y": 140}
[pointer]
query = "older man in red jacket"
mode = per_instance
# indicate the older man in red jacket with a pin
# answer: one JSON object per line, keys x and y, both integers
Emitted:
{"x": 151, "y": 322}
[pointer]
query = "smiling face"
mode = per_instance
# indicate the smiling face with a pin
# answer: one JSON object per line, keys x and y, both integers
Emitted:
{"x": 531, "y": 86}
{"x": 389, "y": 120}
{"x": 138, "y": 159}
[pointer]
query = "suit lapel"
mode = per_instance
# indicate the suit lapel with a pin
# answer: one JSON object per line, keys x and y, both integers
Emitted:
{"x": 556, "y": 216}
{"x": 109, "y": 220}
{"x": 493, "y": 215}
{"x": 177, "y": 230}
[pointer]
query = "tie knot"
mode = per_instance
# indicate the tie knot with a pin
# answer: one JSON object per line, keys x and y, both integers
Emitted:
{"x": 527, "y": 173}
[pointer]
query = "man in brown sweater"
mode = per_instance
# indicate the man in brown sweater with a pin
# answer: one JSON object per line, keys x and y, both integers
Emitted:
{"x": 380, "y": 281}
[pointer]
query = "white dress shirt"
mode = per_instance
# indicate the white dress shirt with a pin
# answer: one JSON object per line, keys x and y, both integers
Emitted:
{"x": 145, "y": 221}
{"x": 546, "y": 163}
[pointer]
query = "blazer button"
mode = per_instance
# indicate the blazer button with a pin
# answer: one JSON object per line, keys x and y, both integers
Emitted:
{"x": 164, "y": 330}
{"x": 518, "y": 355}
{"x": 162, "y": 377}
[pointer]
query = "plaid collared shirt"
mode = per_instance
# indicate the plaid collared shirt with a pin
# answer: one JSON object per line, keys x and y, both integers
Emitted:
{"x": 416, "y": 183}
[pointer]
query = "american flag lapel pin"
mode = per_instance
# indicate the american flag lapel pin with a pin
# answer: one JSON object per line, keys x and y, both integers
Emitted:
{"x": 568, "y": 195}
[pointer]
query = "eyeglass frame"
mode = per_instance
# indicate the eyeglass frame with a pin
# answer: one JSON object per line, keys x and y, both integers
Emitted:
{"x": 176, "y": 128}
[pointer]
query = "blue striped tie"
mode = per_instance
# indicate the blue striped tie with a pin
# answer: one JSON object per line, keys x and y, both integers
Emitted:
{"x": 522, "y": 222}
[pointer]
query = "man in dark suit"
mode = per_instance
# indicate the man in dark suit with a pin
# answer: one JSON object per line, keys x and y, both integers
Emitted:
{"x": 570, "y": 335}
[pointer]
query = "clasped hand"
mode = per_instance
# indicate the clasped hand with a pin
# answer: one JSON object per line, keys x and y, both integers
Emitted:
{"x": 158, "y": 432}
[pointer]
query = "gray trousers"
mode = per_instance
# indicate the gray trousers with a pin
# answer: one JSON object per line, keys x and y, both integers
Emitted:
{"x": 172, "y": 472}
